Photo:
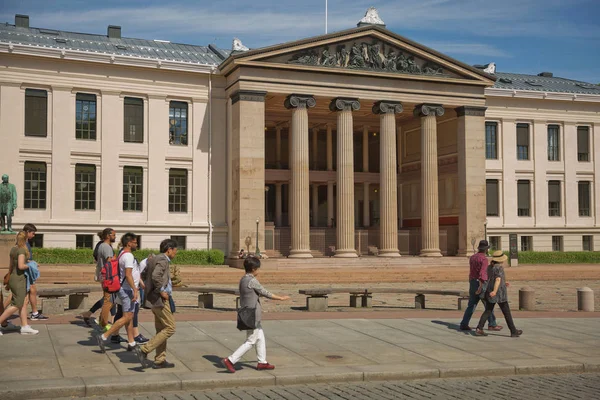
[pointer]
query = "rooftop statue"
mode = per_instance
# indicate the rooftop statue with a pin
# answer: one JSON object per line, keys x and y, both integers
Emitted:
{"x": 371, "y": 18}
{"x": 237, "y": 45}
{"x": 8, "y": 204}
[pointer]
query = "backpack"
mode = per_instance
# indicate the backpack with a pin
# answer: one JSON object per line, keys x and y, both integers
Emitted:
{"x": 111, "y": 275}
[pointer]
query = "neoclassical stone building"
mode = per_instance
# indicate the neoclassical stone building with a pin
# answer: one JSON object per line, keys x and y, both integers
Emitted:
{"x": 346, "y": 144}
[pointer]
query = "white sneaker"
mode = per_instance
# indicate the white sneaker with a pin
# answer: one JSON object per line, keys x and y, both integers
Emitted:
{"x": 28, "y": 330}
{"x": 10, "y": 327}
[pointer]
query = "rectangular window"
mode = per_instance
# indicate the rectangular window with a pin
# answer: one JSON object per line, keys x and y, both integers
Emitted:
{"x": 554, "y": 198}
{"x": 85, "y": 187}
{"x": 583, "y": 189}
{"x": 85, "y": 116}
{"x": 491, "y": 195}
{"x": 491, "y": 140}
{"x": 133, "y": 132}
{"x": 133, "y": 187}
{"x": 84, "y": 241}
{"x": 587, "y": 243}
{"x": 37, "y": 241}
{"x": 36, "y": 112}
{"x": 553, "y": 143}
{"x": 523, "y": 198}
{"x": 522, "y": 141}
{"x": 526, "y": 243}
{"x": 495, "y": 243}
{"x": 139, "y": 242}
{"x": 34, "y": 185}
{"x": 178, "y": 112}
{"x": 583, "y": 143}
{"x": 557, "y": 243}
{"x": 177, "y": 190}
{"x": 180, "y": 241}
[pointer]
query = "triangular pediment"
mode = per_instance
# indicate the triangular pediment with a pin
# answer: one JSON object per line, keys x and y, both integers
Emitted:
{"x": 366, "y": 50}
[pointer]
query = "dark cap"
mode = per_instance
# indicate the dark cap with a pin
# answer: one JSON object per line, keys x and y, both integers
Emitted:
{"x": 483, "y": 245}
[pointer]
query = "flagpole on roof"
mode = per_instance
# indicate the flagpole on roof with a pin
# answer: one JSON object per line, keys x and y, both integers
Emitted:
{"x": 325, "y": 16}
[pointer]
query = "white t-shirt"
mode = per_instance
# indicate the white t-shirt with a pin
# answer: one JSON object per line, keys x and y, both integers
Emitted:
{"x": 128, "y": 261}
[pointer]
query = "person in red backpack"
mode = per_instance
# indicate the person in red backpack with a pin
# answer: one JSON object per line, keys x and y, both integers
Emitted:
{"x": 102, "y": 252}
{"x": 127, "y": 294}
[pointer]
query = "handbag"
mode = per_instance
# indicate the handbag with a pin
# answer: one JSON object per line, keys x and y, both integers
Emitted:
{"x": 246, "y": 319}
{"x": 172, "y": 304}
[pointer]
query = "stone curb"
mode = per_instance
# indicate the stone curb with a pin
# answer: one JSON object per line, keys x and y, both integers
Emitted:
{"x": 105, "y": 385}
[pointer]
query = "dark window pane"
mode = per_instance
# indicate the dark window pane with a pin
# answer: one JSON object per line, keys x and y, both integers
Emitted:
{"x": 554, "y": 198}
{"x": 523, "y": 201}
{"x": 522, "y": 141}
{"x": 133, "y": 188}
{"x": 491, "y": 140}
{"x": 133, "y": 130}
{"x": 85, "y": 118}
{"x": 36, "y": 112}
{"x": 178, "y": 123}
{"x": 583, "y": 143}
{"x": 35, "y": 185}
{"x": 85, "y": 187}
{"x": 492, "y": 197}
{"x": 181, "y": 241}
{"x": 177, "y": 190}
{"x": 583, "y": 189}
{"x": 553, "y": 143}
{"x": 84, "y": 241}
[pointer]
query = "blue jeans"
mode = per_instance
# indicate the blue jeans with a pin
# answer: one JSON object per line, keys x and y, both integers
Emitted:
{"x": 473, "y": 301}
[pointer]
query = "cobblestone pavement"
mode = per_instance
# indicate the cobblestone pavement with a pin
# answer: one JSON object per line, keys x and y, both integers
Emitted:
{"x": 563, "y": 387}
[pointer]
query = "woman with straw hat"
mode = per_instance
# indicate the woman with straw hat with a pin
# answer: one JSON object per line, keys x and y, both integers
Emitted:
{"x": 496, "y": 293}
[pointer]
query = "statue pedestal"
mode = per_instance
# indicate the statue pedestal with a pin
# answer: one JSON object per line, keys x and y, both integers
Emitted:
{"x": 7, "y": 242}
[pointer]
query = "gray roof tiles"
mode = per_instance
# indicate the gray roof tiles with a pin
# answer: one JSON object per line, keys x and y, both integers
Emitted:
{"x": 543, "y": 84}
{"x": 159, "y": 50}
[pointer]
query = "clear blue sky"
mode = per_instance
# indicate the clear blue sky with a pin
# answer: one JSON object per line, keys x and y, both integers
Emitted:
{"x": 523, "y": 36}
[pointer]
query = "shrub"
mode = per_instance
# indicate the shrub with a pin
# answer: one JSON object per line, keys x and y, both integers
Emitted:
{"x": 559, "y": 257}
{"x": 85, "y": 256}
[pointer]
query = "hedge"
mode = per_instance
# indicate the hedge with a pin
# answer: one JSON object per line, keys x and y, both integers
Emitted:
{"x": 559, "y": 257}
{"x": 85, "y": 256}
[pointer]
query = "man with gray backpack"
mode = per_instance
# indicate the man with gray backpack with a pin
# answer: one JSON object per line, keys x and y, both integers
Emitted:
{"x": 250, "y": 292}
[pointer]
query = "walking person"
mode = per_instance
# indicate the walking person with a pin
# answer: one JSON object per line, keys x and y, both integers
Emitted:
{"x": 250, "y": 292}
{"x": 497, "y": 293}
{"x": 478, "y": 279}
{"x": 102, "y": 252}
{"x": 30, "y": 230}
{"x": 158, "y": 291}
{"x": 18, "y": 284}
{"x": 127, "y": 295}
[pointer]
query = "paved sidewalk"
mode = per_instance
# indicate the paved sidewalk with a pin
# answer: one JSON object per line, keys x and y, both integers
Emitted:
{"x": 63, "y": 360}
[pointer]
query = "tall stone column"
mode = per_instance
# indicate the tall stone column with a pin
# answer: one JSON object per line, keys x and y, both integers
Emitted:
{"x": 329, "y": 148}
{"x": 278, "y": 205}
{"x": 330, "y": 205}
{"x": 345, "y": 176}
{"x": 299, "y": 185}
{"x": 430, "y": 223}
{"x": 247, "y": 166}
{"x": 471, "y": 177}
{"x": 315, "y": 205}
{"x": 366, "y": 216}
{"x": 278, "y": 147}
{"x": 388, "y": 177}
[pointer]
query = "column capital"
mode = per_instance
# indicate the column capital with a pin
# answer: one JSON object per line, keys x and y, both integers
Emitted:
{"x": 471, "y": 111}
{"x": 344, "y": 103}
{"x": 295, "y": 100}
{"x": 423, "y": 110}
{"x": 248, "y": 95}
{"x": 384, "y": 107}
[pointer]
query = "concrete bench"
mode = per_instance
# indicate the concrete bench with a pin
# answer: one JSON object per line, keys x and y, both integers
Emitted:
{"x": 54, "y": 299}
{"x": 317, "y": 299}
{"x": 205, "y": 294}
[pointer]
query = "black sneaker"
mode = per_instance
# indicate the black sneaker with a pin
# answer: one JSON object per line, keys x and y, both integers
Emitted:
{"x": 39, "y": 316}
{"x": 100, "y": 343}
{"x": 142, "y": 357}
{"x": 130, "y": 347}
{"x": 116, "y": 339}
{"x": 164, "y": 364}
{"x": 141, "y": 339}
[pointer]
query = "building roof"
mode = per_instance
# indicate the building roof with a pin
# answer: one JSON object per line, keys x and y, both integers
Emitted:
{"x": 149, "y": 49}
{"x": 539, "y": 83}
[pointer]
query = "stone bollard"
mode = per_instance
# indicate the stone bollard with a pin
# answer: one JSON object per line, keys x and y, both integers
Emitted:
{"x": 527, "y": 299}
{"x": 585, "y": 299}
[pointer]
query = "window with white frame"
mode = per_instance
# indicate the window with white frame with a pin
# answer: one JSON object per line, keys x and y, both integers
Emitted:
{"x": 523, "y": 198}
{"x": 554, "y": 199}
{"x": 522, "y": 141}
{"x": 583, "y": 143}
{"x": 553, "y": 143}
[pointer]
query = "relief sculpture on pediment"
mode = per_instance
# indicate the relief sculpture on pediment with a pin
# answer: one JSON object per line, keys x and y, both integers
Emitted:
{"x": 375, "y": 56}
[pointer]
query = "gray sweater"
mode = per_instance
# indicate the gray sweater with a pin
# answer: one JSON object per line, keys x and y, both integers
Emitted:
{"x": 250, "y": 292}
